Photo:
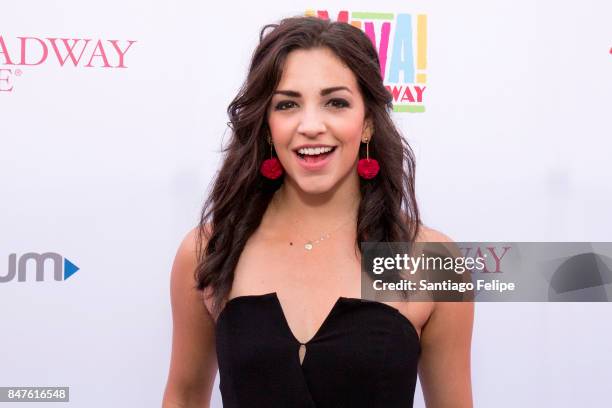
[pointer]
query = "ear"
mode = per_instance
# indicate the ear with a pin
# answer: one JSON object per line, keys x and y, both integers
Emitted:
{"x": 368, "y": 129}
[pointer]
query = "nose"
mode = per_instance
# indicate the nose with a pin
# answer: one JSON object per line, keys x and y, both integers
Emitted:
{"x": 311, "y": 123}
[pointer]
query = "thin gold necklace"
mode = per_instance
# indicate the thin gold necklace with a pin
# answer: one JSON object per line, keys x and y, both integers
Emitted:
{"x": 309, "y": 243}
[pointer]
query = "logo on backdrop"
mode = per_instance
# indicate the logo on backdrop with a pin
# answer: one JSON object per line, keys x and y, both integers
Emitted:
{"x": 401, "y": 42}
{"x": 18, "y": 55}
{"x": 18, "y": 267}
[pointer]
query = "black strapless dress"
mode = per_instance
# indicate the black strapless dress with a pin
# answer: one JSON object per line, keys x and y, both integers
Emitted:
{"x": 365, "y": 354}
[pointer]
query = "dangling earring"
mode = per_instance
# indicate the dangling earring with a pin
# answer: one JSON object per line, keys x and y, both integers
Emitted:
{"x": 368, "y": 168}
{"x": 271, "y": 168}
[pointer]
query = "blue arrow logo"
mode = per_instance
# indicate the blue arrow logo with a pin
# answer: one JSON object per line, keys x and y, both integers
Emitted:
{"x": 69, "y": 268}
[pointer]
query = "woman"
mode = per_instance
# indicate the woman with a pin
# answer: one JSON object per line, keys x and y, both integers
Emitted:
{"x": 314, "y": 167}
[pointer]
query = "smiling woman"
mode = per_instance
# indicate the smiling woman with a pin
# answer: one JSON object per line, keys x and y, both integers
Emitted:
{"x": 317, "y": 104}
{"x": 277, "y": 256}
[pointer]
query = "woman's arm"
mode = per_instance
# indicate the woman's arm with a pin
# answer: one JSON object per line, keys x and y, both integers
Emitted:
{"x": 446, "y": 339}
{"x": 444, "y": 367}
{"x": 193, "y": 365}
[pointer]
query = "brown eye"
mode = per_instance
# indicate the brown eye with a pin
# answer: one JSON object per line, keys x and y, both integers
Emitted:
{"x": 339, "y": 103}
{"x": 282, "y": 105}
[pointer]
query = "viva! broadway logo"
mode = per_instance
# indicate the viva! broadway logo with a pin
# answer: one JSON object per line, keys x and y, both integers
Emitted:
{"x": 401, "y": 42}
{"x": 78, "y": 52}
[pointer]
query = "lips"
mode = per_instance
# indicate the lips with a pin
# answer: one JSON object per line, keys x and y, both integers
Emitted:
{"x": 315, "y": 162}
{"x": 312, "y": 146}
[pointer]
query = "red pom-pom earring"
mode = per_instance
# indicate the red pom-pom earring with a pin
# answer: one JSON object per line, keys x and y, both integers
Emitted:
{"x": 368, "y": 168}
{"x": 271, "y": 168}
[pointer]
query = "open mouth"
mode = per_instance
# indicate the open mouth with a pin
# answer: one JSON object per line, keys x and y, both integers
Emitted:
{"x": 314, "y": 158}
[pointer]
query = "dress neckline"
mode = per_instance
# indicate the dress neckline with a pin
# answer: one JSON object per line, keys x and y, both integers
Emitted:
{"x": 341, "y": 299}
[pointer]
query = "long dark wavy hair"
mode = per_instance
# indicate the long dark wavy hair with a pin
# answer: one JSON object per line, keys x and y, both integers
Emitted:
{"x": 240, "y": 194}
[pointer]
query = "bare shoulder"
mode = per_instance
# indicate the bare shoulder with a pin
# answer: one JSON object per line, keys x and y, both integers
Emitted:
{"x": 420, "y": 313}
{"x": 427, "y": 234}
{"x": 192, "y": 238}
{"x": 458, "y": 314}
{"x": 183, "y": 284}
{"x": 187, "y": 259}
{"x": 187, "y": 248}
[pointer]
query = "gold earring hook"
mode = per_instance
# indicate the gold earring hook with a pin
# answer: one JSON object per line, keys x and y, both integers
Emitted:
{"x": 367, "y": 142}
{"x": 270, "y": 143}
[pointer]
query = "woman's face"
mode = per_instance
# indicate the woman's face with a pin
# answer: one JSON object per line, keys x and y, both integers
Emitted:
{"x": 317, "y": 103}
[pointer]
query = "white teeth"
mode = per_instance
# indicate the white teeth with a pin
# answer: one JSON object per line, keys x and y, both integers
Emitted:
{"x": 314, "y": 151}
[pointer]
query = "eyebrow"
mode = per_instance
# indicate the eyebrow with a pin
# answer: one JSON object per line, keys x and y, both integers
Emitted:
{"x": 324, "y": 92}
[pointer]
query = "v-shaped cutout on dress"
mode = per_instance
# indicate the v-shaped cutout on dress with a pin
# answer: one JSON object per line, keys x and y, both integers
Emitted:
{"x": 302, "y": 348}
{"x": 321, "y": 327}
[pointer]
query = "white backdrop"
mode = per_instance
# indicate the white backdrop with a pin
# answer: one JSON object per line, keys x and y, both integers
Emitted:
{"x": 108, "y": 167}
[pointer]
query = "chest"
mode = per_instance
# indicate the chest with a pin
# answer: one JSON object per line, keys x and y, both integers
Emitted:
{"x": 308, "y": 282}
{"x": 331, "y": 268}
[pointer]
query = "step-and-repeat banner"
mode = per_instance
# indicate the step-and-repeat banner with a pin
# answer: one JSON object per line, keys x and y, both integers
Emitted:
{"x": 112, "y": 118}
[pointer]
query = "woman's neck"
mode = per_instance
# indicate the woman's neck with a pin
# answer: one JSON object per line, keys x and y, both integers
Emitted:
{"x": 316, "y": 212}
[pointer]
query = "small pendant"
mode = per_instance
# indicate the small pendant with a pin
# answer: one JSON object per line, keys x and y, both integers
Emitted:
{"x": 308, "y": 246}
